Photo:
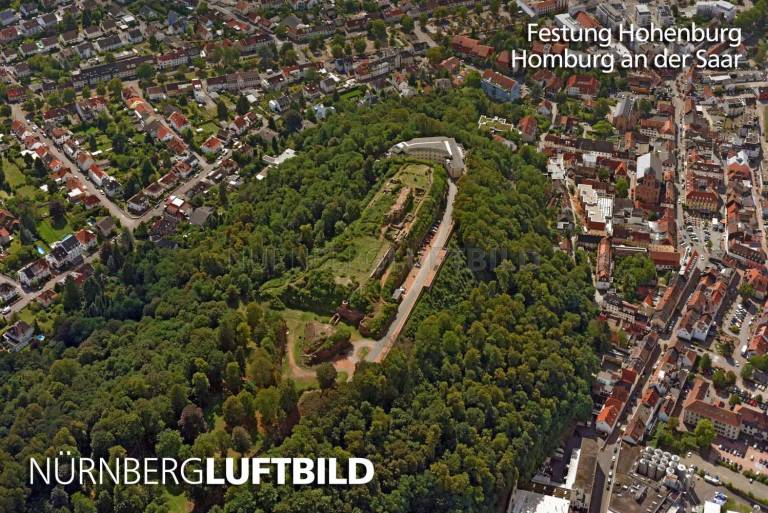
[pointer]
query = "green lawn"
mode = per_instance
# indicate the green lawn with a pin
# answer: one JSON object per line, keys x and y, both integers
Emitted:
{"x": 208, "y": 128}
{"x": 13, "y": 174}
{"x": 32, "y": 312}
{"x": 103, "y": 142}
{"x": 365, "y": 251}
{"x": 415, "y": 175}
{"x": 16, "y": 255}
{"x": 26, "y": 192}
{"x": 50, "y": 233}
{"x": 351, "y": 94}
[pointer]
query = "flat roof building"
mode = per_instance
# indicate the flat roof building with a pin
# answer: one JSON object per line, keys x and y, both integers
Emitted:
{"x": 523, "y": 501}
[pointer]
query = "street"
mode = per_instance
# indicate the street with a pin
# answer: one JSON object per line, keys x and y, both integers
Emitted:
{"x": 127, "y": 221}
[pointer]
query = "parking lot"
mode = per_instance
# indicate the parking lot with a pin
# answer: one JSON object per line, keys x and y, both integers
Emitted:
{"x": 749, "y": 454}
{"x": 706, "y": 491}
{"x": 739, "y": 321}
{"x": 701, "y": 234}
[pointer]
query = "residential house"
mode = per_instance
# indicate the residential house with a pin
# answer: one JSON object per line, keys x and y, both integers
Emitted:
{"x": 109, "y": 43}
{"x": 7, "y": 292}
{"x": 134, "y": 36}
{"x": 111, "y": 187}
{"x": 5, "y": 237}
{"x": 90, "y": 108}
{"x": 528, "y": 128}
{"x": 8, "y": 35}
{"x": 92, "y": 32}
{"x": 172, "y": 59}
{"x": 8, "y": 17}
{"x": 604, "y": 263}
{"x": 46, "y": 298}
{"x": 18, "y": 335}
{"x": 106, "y": 226}
{"x": 29, "y": 9}
{"x": 47, "y": 44}
{"x": 753, "y": 422}
{"x": 758, "y": 344}
{"x": 280, "y": 104}
{"x": 328, "y": 85}
{"x": 499, "y": 87}
{"x": 87, "y": 239}
{"x": 178, "y": 121}
{"x": 64, "y": 252}
{"x": 757, "y": 278}
{"x": 34, "y": 273}
{"x": 212, "y": 145}
{"x": 545, "y": 108}
{"x": 154, "y": 190}
{"x": 84, "y": 161}
{"x": 583, "y": 86}
{"x": 96, "y": 174}
{"x": 85, "y": 50}
{"x": 29, "y": 49}
{"x": 138, "y": 203}
{"x": 608, "y": 415}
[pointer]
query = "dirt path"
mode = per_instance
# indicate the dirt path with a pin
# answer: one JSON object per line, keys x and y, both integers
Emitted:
{"x": 348, "y": 363}
{"x": 297, "y": 371}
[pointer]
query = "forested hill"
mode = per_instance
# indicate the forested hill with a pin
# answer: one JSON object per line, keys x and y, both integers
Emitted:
{"x": 173, "y": 353}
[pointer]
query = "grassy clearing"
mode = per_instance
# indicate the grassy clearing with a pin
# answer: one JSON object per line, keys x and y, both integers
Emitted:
{"x": 357, "y": 260}
{"x": 13, "y": 175}
{"x": 27, "y": 192}
{"x": 34, "y": 312}
{"x": 415, "y": 175}
{"x": 295, "y": 320}
{"x": 50, "y": 233}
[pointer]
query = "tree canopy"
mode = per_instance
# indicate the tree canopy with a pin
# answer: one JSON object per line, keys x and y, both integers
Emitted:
{"x": 166, "y": 340}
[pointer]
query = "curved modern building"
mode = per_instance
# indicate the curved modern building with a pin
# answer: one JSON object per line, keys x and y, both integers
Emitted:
{"x": 443, "y": 150}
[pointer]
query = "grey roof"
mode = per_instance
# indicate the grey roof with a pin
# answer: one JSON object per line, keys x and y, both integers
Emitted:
{"x": 69, "y": 243}
{"x": 624, "y": 107}
{"x": 649, "y": 163}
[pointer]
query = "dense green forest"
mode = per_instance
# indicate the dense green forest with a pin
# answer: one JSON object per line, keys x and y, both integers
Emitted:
{"x": 175, "y": 353}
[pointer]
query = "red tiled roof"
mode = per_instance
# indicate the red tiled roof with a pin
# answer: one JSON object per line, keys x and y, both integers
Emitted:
{"x": 527, "y": 125}
{"x": 586, "y": 20}
{"x": 714, "y": 413}
{"x": 499, "y": 79}
{"x": 85, "y": 237}
{"x": 212, "y": 142}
